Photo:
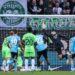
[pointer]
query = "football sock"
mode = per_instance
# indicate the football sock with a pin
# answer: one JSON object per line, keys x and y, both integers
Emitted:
{"x": 33, "y": 64}
{"x": 26, "y": 63}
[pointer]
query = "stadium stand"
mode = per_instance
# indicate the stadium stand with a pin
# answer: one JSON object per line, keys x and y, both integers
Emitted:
{"x": 51, "y": 7}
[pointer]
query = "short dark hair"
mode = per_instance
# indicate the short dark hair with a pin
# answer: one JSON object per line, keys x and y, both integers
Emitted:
{"x": 11, "y": 32}
{"x": 29, "y": 29}
{"x": 15, "y": 31}
{"x": 35, "y": 32}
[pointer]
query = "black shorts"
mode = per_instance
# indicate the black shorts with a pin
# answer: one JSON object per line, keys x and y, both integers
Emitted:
{"x": 59, "y": 51}
{"x": 73, "y": 56}
{"x": 44, "y": 53}
{"x": 14, "y": 55}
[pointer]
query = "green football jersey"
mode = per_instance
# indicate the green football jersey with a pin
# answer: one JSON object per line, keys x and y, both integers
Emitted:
{"x": 29, "y": 39}
{"x": 5, "y": 42}
{"x": 5, "y": 49}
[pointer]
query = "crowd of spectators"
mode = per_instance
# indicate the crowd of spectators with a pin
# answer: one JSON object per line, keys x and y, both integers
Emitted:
{"x": 51, "y": 7}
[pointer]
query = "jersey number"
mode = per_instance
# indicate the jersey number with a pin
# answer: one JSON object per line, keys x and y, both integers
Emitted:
{"x": 29, "y": 41}
{"x": 14, "y": 41}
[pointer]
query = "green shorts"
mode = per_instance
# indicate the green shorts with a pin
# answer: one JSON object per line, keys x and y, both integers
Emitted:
{"x": 29, "y": 52}
{"x": 6, "y": 52}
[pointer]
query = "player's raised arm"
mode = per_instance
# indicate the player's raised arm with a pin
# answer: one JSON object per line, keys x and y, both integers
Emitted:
{"x": 49, "y": 35}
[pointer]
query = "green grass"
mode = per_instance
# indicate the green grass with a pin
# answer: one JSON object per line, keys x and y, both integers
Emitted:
{"x": 40, "y": 73}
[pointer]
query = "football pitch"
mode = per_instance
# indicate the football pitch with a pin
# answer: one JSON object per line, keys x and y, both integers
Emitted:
{"x": 40, "y": 73}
